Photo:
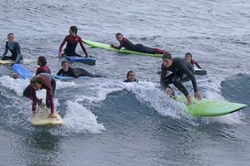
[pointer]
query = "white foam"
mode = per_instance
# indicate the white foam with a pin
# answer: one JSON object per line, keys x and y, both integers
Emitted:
{"x": 78, "y": 119}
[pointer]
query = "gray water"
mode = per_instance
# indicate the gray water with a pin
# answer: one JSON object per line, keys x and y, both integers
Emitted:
{"x": 108, "y": 122}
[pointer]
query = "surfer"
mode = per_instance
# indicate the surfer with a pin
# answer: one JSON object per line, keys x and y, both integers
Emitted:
{"x": 181, "y": 70}
{"x": 72, "y": 40}
{"x": 14, "y": 48}
{"x": 74, "y": 72}
{"x": 41, "y": 61}
{"x": 189, "y": 58}
{"x": 124, "y": 42}
{"x": 131, "y": 77}
{"x": 41, "y": 81}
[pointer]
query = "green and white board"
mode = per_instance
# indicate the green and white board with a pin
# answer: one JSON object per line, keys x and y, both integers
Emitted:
{"x": 211, "y": 107}
{"x": 108, "y": 47}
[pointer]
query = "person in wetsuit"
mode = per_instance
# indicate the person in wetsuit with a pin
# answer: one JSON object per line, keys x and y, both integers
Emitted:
{"x": 74, "y": 72}
{"x": 41, "y": 61}
{"x": 72, "y": 40}
{"x": 189, "y": 58}
{"x": 131, "y": 77}
{"x": 14, "y": 48}
{"x": 124, "y": 42}
{"x": 181, "y": 70}
{"x": 41, "y": 81}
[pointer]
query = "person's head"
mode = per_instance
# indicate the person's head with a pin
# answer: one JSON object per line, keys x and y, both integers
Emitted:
{"x": 188, "y": 56}
{"x": 167, "y": 59}
{"x": 65, "y": 65}
{"x": 37, "y": 83}
{"x": 119, "y": 36}
{"x": 131, "y": 75}
{"x": 41, "y": 61}
{"x": 73, "y": 30}
{"x": 10, "y": 37}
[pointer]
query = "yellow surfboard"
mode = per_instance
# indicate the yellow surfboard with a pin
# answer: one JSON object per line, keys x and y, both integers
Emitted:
{"x": 41, "y": 118}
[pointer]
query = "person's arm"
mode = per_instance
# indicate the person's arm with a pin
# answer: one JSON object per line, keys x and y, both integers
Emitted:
{"x": 34, "y": 100}
{"x": 38, "y": 71}
{"x": 60, "y": 72}
{"x": 73, "y": 73}
{"x": 18, "y": 50}
{"x": 62, "y": 44}
{"x": 163, "y": 77}
{"x": 83, "y": 48}
{"x": 50, "y": 96}
{"x": 196, "y": 63}
{"x": 6, "y": 50}
{"x": 190, "y": 74}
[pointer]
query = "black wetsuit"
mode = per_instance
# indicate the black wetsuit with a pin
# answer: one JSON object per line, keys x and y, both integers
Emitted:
{"x": 182, "y": 71}
{"x": 138, "y": 47}
{"x": 14, "y": 48}
{"x": 127, "y": 80}
{"x": 76, "y": 72}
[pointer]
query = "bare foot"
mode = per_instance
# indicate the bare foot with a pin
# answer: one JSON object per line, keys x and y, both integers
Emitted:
{"x": 189, "y": 100}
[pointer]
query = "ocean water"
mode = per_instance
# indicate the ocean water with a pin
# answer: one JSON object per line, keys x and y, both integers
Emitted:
{"x": 108, "y": 122}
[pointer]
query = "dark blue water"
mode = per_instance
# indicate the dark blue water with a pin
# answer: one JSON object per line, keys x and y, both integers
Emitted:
{"x": 108, "y": 122}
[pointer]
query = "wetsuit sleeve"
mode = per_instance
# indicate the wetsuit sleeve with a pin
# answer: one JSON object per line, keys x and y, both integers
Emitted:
{"x": 62, "y": 44}
{"x": 117, "y": 47}
{"x": 190, "y": 74}
{"x": 6, "y": 49}
{"x": 18, "y": 50}
{"x": 83, "y": 48}
{"x": 38, "y": 71}
{"x": 50, "y": 96}
{"x": 60, "y": 72}
{"x": 164, "y": 72}
{"x": 196, "y": 63}
{"x": 73, "y": 73}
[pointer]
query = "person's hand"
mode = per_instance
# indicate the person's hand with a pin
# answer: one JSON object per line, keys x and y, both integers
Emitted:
{"x": 189, "y": 99}
{"x": 59, "y": 54}
{"x": 112, "y": 45}
{"x": 52, "y": 115}
{"x": 197, "y": 95}
{"x": 169, "y": 91}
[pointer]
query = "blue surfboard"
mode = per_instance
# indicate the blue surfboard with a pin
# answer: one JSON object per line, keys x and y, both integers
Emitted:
{"x": 68, "y": 77}
{"x": 22, "y": 71}
{"x": 89, "y": 61}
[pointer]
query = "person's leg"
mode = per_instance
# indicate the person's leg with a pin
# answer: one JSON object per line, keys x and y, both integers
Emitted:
{"x": 53, "y": 84}
{"x": 158, "y": 51}
{"x": 83, "y": 72}
{"x": 7, "y": 58}
{"x": 177, "y": 83}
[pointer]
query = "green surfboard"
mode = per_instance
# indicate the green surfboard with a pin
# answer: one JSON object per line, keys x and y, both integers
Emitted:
{"x": 108, "y": 47}
{"x": 211, "y": 107}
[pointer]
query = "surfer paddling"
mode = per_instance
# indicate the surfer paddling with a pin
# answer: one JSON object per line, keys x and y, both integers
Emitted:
{"x": 181, "y": 71}
{"x": 72, "y": 40}
{"x": 131, "y": 77}
{"x": 124, "y": 42}
{"x": 189, "y": 58}
{"x": 41, "y": 81}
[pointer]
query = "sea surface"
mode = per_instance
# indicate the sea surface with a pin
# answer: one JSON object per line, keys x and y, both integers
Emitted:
{"x": 108, "y": 122}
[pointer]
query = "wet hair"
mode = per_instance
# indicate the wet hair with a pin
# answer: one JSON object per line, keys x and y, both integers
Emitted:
{"x": 10, "y": 34}
{"x": 166, "y": 55}
{"x": 188, "y": 53}
{"x": 64, "y": 62}
{"x": 74, "y": 29}
{"x": 42, "y": 60}
{"x": 129, "y": 72}
{"x": 37, "y": 80}
{"x": 117, "y": 34}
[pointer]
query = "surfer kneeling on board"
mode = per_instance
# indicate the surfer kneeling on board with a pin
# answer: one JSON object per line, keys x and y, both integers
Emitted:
{"x": 41, "y": 81}
{"x": 189, "y": 58}
{"x": 72, "y": 40}
{"x": 14, "y": 48}
{"x": 41, "y": 61}
{"x": 131, "y": 77}
{"x": 181, "y": 69}
{"x": 74, "y": 72}
{"x": 124, "y": 42}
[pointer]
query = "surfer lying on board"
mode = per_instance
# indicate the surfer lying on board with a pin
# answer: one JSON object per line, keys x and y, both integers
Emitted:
{"x": 41, "y": 81}
{"x": 131, "y": 77}
{"x": 72, "y": 40}
{"x": 189, "y": 58}
{"x": 181, "y": 70}
{"x": 74, "y": 72}
{"x": 41, "y": 61}
{"x": 124, "y": 42}
{"x": 14, "y": 48}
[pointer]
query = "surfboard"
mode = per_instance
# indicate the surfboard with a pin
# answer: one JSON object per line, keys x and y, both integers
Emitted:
{"x": 41, "y": 118}
{"x": 108, "y": 47}
{"x": 211, "y": 107}
{"x": 68, "y": 77}
{"x": 198, "y": 71}
{"x": 22, "y": 71}
{"x": 89, "y": 61}
{"x": 6, "y": 62}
